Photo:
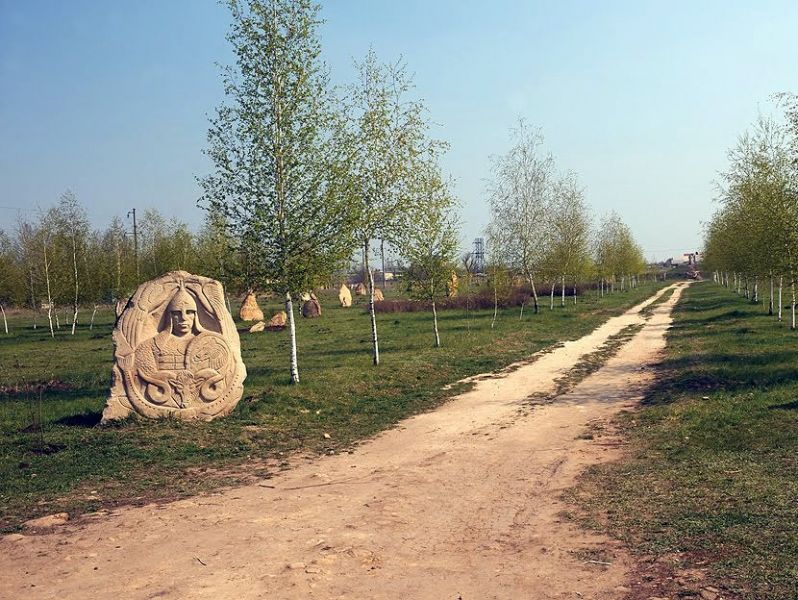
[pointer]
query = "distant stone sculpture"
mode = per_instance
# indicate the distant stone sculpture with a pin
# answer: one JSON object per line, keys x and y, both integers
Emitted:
{"x": 345, "y": 296}
{"x": 451, "y": 286}
{"x": 378, "y": 297}
{"x": 278, "y": 321}
{"x": 361, "y": 290}
{"x": 311, "y": 309}
{"x": 258, "y": 327}
{"x": 250, "y": 311}
{"x": 177, "y": 352}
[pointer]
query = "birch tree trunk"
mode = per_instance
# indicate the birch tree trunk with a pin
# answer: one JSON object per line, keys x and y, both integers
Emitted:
{"x": 770, "y": 302}
{"x": 792, "y": 326}
{"x": 495, "y": 303}
{"x": 534, "y": 295}
{"x": 375, "y": 345}
{"x": 49, "y": 293}
{"x": 756, "y": 290}
{"x": 781, "y": 286}
{"x": 289, "y": 308}
{"x": 574, "y": 292}
{"x": 553, "y": 285}
{"x": 5, "y": 322}
{"x": 562, "y": 291}
{"x": 93, "y": 313}
{"x": 77, "y": 288}
{"x": 435, "y": 325}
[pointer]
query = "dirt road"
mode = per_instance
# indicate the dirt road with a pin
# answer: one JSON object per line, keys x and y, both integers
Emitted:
{"x": 461, "y": 502}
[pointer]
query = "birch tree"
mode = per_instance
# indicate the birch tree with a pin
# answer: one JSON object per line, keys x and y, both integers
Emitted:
{"x": 73, "y": 229}
{"x": 568, "y": 251}
{"x": 430, "y": 245}
{"x": 384, "y": 132}
{"x": 520, "y": 196}
{"x": 275, "y": 178}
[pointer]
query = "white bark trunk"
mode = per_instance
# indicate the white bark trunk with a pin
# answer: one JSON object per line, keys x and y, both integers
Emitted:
{"x": 792, "y": 326}
{"x": 770, "y": 302}
{"x": 574, "y": 292}
{"x": 93, "y": 313}
{"x": 551, "y": 302}
{"x": 562, "y": 291}
{"x": 375, "y": 344}
{"x": 534, "y": 295}
{"x": 435, "y": 325}
{"x": 5, "y": 322}
{"x": 77, "y": 287}
{"x": 289, "y": 308}
{"x": 781, "y": 303}
{"x": 49, "y": 294}
{"x": 495, "y": 303}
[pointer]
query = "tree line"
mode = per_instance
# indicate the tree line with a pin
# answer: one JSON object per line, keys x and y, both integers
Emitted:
{"x": 751, "y": 241}
{"x": 542, "y": 229}
{"x": 57, "y": 259}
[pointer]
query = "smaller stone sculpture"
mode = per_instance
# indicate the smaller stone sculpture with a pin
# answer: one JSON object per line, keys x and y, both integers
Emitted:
{"x": 378, "y": 297}
{"x": 361, "y": 290}
{"x": 258, "y": 327}
{"x": 345, "y": 296}
{"x": 250, "y": 311}
{"x": 278, "y": 321}
{"x": 451, "y": 286}
{"x": 311, "y": 309}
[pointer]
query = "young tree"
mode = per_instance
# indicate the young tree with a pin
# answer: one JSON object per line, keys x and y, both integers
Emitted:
{"x": 568, "y": 251}
{"x": 72, "y": 227}
{"x": 430, "y": 245}
{"x": 384, "y": 136}
{"x": 520, "y": 200}
{"x": 275, "y": 178}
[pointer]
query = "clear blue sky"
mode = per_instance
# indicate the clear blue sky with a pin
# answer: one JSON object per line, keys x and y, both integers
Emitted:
{"x": 641, "y": 99}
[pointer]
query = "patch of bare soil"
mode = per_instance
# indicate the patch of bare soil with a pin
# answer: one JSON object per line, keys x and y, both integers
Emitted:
{"x": 463, "y": 502}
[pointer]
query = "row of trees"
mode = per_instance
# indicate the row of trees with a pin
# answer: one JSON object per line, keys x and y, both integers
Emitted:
{"x": 57, "y": 259}
{"x": 753, "y": 238}
{"x": 304, "y": 173}
{"x": 541, "y": 226}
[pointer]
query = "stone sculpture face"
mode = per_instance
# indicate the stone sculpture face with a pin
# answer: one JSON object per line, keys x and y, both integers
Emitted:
{"x": 177, "y": 352}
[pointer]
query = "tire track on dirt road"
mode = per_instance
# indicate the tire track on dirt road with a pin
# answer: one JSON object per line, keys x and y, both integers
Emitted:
{"x": 459, "y": 502}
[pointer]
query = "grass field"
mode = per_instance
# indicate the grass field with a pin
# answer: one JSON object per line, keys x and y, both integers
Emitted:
{"x": 55, "y": 457}
{"x": 711, "y": 481}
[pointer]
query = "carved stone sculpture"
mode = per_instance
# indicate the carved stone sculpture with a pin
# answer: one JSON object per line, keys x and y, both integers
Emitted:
{"x": 177, "y": 352}
{"x": 258, "y": 327}
{"x": 451, "y": 285}
{"x": 345, "y": 296}
{"x": 278, "y": 321}
{"x": 311, "y": 309}
{"x": 361, "y": 289}
{"x": 378, "y": 297}
{"x": 250, "y": 311}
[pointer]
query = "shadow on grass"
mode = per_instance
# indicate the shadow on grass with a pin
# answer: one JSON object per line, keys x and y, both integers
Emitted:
{"x": 788, "y": 406}
{"x": 87, "y": 420}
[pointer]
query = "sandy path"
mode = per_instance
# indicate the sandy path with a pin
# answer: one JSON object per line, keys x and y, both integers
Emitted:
{"x": 461, "y": 502}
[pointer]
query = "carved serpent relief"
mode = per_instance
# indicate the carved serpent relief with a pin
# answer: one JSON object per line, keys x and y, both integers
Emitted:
{"x": 177, "y": 352}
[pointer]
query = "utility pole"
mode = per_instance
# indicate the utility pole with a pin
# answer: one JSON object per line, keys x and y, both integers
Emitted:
{"x": 135, "y": 243}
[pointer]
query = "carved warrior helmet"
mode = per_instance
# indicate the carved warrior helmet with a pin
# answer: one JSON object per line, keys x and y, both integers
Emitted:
{"x": 180, "y": 301}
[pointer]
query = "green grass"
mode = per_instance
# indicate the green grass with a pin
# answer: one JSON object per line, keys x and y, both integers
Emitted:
{"x": 712, "y": 478}
{"x": 54, "y": 457}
